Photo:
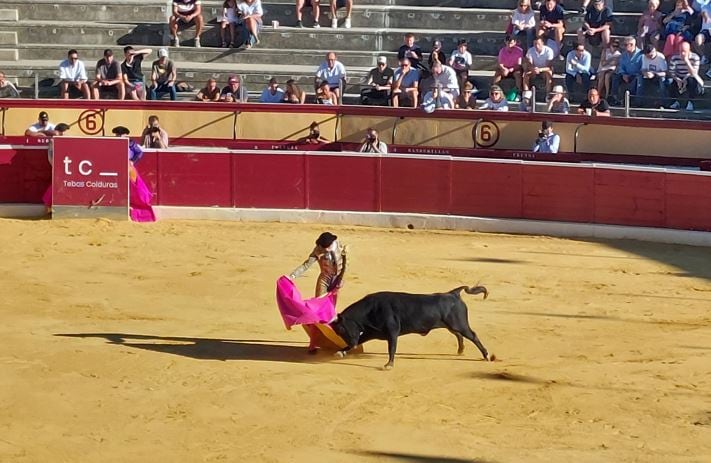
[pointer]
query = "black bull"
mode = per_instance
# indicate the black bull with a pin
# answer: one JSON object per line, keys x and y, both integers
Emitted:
{"x": 387, "y": 315}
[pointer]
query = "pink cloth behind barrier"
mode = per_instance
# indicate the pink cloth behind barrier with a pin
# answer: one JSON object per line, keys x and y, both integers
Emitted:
{"x": 140, "y": 201}
{"x": 297, "y": 311}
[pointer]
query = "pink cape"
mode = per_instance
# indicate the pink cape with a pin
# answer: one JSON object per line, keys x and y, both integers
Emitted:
{"x": 297, "y": 311}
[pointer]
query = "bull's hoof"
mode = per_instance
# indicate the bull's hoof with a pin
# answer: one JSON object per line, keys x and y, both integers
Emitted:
{"x": 492, "y": 358}
{"x": 340, "y": 354}
{"x": 388, "y": 366}
{"x": 460, "y": 352}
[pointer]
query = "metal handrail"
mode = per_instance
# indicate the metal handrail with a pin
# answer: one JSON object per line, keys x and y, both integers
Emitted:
{"x": 577, "y": 134}
{"x": 395, "y": 122}
{"x": 627, "y": 103}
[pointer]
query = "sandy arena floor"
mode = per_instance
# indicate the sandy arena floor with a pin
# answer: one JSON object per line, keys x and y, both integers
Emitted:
{"x": 162, "y": 343}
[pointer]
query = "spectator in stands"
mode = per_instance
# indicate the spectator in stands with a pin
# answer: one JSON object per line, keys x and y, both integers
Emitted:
{"x": 154, "y": 136}
{"x": 324, "y": 95}
{"x": 552, "y": 22}
{"x": 677, "y": 27}
{"x": 650, "y": 25}
{"x": 108, "y": 77}
{"x": 496, "y": 100}
{"x": 586, "y": 3}
{"x": 293, "y": 93}
{"x": 132, "y": 73}
{"x": 333, "y": 72}
{"x": 704, "y": 35}
{"x": 467, "y": 99}
{"x": 460, "y": 61}
{"x": 41, "y": 128}
{"x": 653, "y": 78}
{"x": 211, "y": 92}
{"x": 314, "y": 137}
{"x": 539, "y": 63}
{"x": 229, "y": 21}
{"x": 547, "y": 141}
{"x": 597, "y": 25}
{"x": 609, "y": 59}
{"x": 411, "y": 51}
{"x": 446, "y": 78}
{"x": 684, "y": 77}
{"x": 558, "y": 103}
{"x": 437, "y": 98}
{"x": 272, "y": 93}
{"x": 251, "y": 12}
{"x": 510, "y": 61}
{"x": 577, "y": 69}
{"x": 373, "y": 144}
{"x": 163, "y": 77}
{"x": 315, "y": 10}
{"x": 405, "y": 85}
{"x": 7, "y": 89}
{"x": 594, "y": 105}
{"x": 73, "y": 75}
{"x": 628, "y": 70}
{"x": 186, "y": 12}
{"x": 380, "y": 82}
{"x": 233, "y": 92}
{"x": 335, "y": 4}
{"x": 523, "y": 23}
{"x": 436, "y": 54}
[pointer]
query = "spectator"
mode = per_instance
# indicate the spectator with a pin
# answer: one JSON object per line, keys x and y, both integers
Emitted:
{"x": 315, "y": 10}
{"x": 73, "y": 75}
{"x": 437, "y": 54}
{"x": 496, "y": 100}
{"x": 609, "y": 58}
{"x": 552, "y": 22}
{"x": 333, "y": 72}
{"x": 405, "y": 85}
{"x": 314, "y": 137}
{"x": 233, "y": 92}
{"x": 163, "y": 76}
{"x": 628, "y": 70}
{"x": 437, "y": 98}
{"x": 272, "y": 93}
{"x": 650, "y": 25}
{"x": 539, "y": 61}
{"x": 654, "y": 73}
{"x": 684, "y": 77}
{"x": 594, "y": 105}
{"x": 510, "y": 61}
{"x": 380, "y": 82}
{"x": 467, "y": 99}
{"x": 211, "y": 92}
{"x": 132, "y": 73}
{"x": 41, "y": 128}
{"x": 558, "y": 103}
{"x": 411, "y": 51}
{"x": 7, "y": 89}
{"x": 461, "y": 61}
{"x": 547, "y": 141}
{"x": 523, "y": 23}
{"x": 324, "y": 95}
{"x": 445, "y": 77}
{"x": 228, "y": 20}
{"x": 335, "y": 4}
{"x": 251, "y": 12}
{"x": 577, "y": 69}
{"x": 704, "y": 35}
{"x": 154, "y": 136}
{"x": 293, "y": 93}
{"x": 108, "y": 77}
{"x": 186, "y": 12}
{"x": 677, "y": 27}
{"x": 597, "y": 25}
{"x": 373, "y": 144}
{"x": 585, "y": 3}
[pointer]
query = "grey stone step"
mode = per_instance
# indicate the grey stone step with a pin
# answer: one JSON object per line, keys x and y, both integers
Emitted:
{"x": 70, "y": 11}
{"x": 9, "y": 54}
{"x": 8, "y": 14}
{"x": 8, "y": 37}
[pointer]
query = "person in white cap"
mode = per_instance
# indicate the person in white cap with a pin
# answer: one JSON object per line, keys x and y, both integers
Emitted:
{"x": 163, "y": 76}
{"x": 558, "y": 103}
{"x": 380, "y": 82}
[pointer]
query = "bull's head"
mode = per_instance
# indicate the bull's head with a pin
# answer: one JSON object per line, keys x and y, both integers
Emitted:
{"x": 347, "y": 329}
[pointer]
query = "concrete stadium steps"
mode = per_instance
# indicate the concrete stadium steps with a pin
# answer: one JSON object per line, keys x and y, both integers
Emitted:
{"x": 73, "y": 10}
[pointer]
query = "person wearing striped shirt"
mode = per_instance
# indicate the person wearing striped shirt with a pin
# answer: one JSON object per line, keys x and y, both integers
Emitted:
{"x": 684, "y": 77}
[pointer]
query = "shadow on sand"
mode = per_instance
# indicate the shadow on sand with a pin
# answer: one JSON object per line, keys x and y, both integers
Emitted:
{"x": 416, "y": 458}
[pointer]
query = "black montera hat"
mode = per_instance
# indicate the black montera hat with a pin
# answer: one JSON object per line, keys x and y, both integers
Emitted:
{"x": 120, "y": 130}
{"x": 326, "y": 239}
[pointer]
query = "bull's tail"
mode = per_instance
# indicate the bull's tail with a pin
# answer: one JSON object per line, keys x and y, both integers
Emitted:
{"x": 471, "y": 290}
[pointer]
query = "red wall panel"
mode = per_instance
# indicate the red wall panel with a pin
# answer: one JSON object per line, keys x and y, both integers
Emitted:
{"x": 269, "y": 181}
{"x": 25, "y": 175}
{"x": 345, "y": 183}
{"x": 626, "y": 197}
{"x": 415, "y": 185}
{"x": 688, "y": 201}
{"x": 558, "y": 193}
{"x": 187, "y": 179}
{"x": 486, "y": 189}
